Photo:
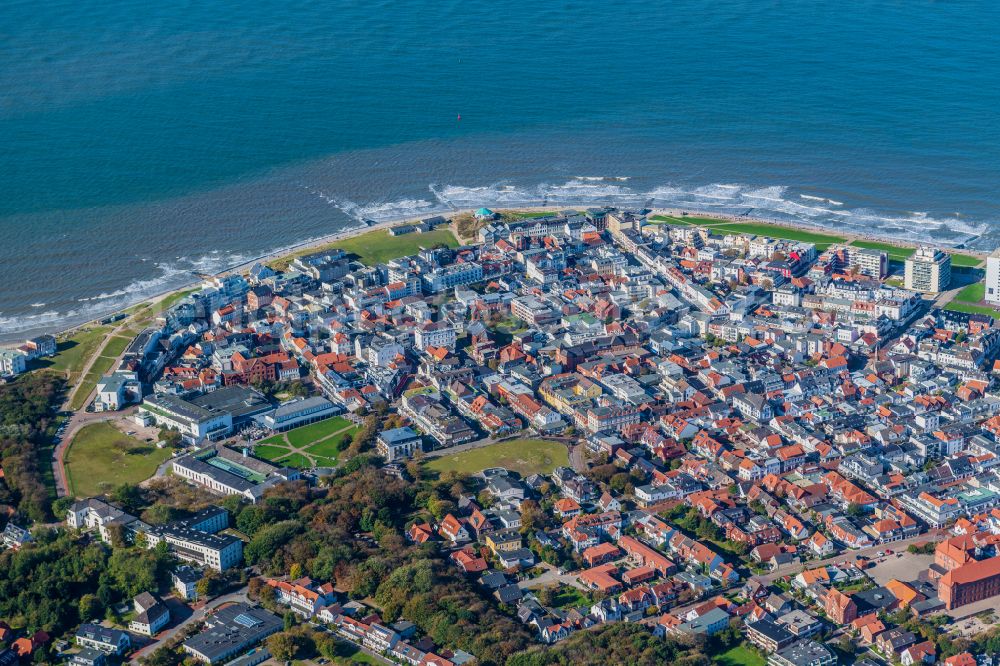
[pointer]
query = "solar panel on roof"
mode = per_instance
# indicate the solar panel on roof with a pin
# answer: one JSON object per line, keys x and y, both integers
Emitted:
{"x": 245, "y": 620}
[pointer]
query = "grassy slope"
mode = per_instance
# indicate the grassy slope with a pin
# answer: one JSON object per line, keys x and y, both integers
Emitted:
{"x": 527, "y": 456}
{"x": 377, "y": 246}
{"x": 896, "y": 253}
{"x": 822, "y": 241}
{"x": 96, "y": 463}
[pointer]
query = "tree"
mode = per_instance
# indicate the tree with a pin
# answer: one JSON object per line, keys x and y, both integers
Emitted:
{"x": 129, "y": 496}
{"x": 90, "y": 607}
{"x": 283, "y": 646}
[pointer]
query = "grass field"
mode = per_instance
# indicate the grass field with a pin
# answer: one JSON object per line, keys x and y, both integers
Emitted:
{"x": 101, "y": 457}
{"x": 973, "y": 293}
{"x": 377, "y": 246}
{"x": 822, "y": 241}
{"x": 296, "y": 460}
{"x": 526, "y": 456}
{"x": 969, "y": 308}
{"x": 73, "y": 352}
{"x": 894, "y": 252}
{"x": 526, "y": 214}
{"x": 317, "y": 444}
{"x": 102, "y": 365}
{"x": 268, "y": 452}
{"x": 739, "y": 656}
{"x": 116, "y": 346}
{"x": 965, "y": 260}
{"x": 306, "y": 435}
{"x": 687, "y": 220}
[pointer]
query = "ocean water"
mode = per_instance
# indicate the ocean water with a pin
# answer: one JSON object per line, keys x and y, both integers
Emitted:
{"x": 143, "y": 141}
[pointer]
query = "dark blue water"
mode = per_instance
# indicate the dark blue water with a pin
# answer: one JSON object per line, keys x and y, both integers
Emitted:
{"x": 141, "y": 141}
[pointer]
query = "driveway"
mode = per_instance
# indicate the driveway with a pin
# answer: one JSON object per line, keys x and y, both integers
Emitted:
{"x": 239, "y": 596}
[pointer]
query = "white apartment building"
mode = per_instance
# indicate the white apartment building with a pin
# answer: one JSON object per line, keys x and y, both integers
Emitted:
{"x": 928, "y": 270}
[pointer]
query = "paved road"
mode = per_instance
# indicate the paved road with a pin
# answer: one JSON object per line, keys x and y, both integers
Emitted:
{"x": 895, "y": 546}
{"x": 199, "y": 615}
{"x": 77, "y": 421}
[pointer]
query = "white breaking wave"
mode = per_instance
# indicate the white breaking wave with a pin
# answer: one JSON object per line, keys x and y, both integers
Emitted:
{"x": 823, "y": 199}
{"x": 770, "y": 203}
{"x": 171, "y": 275}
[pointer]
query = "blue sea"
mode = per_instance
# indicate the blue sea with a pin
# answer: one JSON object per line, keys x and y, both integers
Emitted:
{"x": 144, "y": 141}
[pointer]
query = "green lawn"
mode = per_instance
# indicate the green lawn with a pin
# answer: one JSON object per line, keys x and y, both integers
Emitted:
{"x": 174, "y": 298}
{"x": 895, "y": 252}
{"x": 973, "y": 293}
{"x": 328, "y": 447}
{"x": 296, "y": 460}
{"x": 310, "y": 438}
{"x": 116, "y": 346}
{"x": 526, "y": 214}
{"x": 686, "y": 220}
{"x": 739, "y": 656}
{"x": 526, "y": 456}
{"x": 822, "y": 241}
{"x": 570, "y": 597}
{"x": 969, "y": 308}
{"x": 306, "y": 435}
{"x": 377, "y": 246}
{"x": 267, "y": 452}
{"x": 73, "y": 352}
{"x": 965, "y": 260}
{"x": 101, "y": 457}
{"x": 102, "y": 365}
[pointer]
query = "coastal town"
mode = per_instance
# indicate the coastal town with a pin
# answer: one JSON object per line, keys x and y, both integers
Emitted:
{"x": 486, "y": 438}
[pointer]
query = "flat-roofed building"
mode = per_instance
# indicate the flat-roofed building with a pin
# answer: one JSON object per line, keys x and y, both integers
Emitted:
{"x": 230, "y": 631}
{"x": 298, "y": 413}
{"x": 928, "y": 270}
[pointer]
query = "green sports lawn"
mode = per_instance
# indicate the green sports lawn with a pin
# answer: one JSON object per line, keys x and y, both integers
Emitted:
{"x": 101, "y": 457}
{"x": 525, "y": 456}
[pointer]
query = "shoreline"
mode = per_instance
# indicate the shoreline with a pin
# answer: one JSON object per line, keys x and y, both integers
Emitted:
{"x": 350, "y": 232}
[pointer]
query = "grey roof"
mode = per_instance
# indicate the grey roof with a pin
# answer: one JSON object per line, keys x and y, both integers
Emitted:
{"x": 806, "y": 652}
{"x": 398, "y": 435}
{"x": 232, "y": 629}
{"x": 96, "y": 632}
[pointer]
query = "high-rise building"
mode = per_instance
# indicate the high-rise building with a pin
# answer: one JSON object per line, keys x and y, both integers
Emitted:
{"x": 928, "y": 270}
{"x": 993, "y": 278}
